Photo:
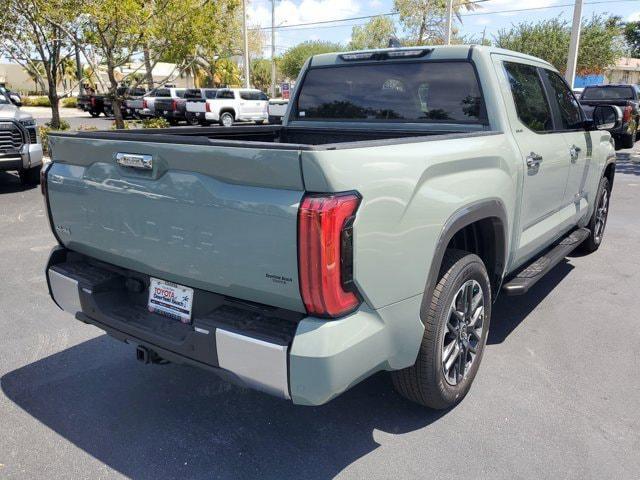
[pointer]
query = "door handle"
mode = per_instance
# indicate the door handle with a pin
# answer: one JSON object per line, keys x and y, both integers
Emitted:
{"x": 533, "y": 161}
{"x": 574, "y": 152}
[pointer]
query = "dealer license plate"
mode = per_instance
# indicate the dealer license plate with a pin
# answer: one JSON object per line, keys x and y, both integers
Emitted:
{"x": 170, "y": 299}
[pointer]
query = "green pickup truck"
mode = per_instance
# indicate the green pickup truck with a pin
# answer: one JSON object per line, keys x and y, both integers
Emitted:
{"x": 372, "y": 230}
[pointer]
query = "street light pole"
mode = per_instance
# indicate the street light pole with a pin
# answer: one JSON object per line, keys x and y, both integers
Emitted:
{"x": 246, "y": 44}
{"x": 572, "y": 59}
{"x": 273, "y": 48}
{"x": 447, "y": 37}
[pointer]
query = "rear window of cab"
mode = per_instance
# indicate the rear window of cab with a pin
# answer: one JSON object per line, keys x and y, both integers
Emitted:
{"x": 417, "y": 92}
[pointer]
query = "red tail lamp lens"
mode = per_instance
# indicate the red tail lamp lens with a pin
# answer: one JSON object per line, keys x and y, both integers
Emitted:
{"x": 325, "y": 253}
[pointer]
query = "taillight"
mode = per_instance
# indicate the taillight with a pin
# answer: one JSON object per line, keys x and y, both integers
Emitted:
{"x": 325, "y": 253}
{"x": 174, "y": 105}
{"x": 144, "y": 104}
{"x": 93, "y": 101}
{"x": 626, "y": 114}
{"x": 207, "y": 106}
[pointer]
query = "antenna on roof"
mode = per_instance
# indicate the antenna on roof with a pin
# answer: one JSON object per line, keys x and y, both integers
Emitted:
{"x": 394, "y": 42}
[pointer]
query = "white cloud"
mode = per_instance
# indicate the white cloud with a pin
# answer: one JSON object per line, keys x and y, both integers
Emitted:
{"x": 375, "y": 4}
{"x": 289, "y": 12}
{"x": 634, "y": 17}
{"x": 500, "y": 5}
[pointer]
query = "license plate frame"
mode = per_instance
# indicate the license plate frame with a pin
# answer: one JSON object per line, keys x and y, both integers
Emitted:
{"x": 170, "y": 300}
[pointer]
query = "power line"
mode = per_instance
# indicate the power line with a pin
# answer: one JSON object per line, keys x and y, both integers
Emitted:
{"x": 310, "y": 25}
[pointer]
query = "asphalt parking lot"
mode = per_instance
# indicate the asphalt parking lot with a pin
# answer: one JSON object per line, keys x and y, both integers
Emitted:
{"x": 557, "y": 395}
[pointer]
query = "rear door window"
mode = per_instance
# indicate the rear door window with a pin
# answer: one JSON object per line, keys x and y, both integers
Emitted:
{"x": 252, "y": 95}
{"x": 163, "y": 93}
{"x": 228, "y": 94}
{"x": 529, "y": 97}
{"x": 418, "y": 92}
{"x": 210, "y": 94}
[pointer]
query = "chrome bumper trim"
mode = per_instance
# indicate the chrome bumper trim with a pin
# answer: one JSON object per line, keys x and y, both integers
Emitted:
{"x": 261, "y": 365}
{"x": 65, "y": 292}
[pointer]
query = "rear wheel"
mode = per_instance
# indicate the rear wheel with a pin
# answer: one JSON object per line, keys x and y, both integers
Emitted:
{"x": 192, "y": 119}
{"x": 456, "y": 327}
{"x": 94, "y": 113}
{"x": 599, "y": 217}
{"x": 226, "y": 119}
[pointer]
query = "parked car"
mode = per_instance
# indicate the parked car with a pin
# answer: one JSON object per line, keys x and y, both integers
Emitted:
{"x": 125, "y": 93}
{"x": 276, "y": 109}
{"x": 144, "y": 107}
{"x": 172, "y": 106}
{"x": 627, "y": 97}
{"x": 13, "y": 97}
{"x": 372, "y": 231}
{"x": 194, "y": 115}
{"x": 20, "y": 147}
{"x": 231, "y": 105}
{"x": 92, "y": 103}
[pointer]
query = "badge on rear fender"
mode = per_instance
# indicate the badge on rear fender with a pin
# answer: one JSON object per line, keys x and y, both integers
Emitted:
{"x": 134, "y": 160}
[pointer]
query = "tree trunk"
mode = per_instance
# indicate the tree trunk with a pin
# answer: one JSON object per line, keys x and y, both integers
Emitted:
{"x": 147, "y": 66}
{"x": 117, "y": 112}
{"x": 55, "y": 111}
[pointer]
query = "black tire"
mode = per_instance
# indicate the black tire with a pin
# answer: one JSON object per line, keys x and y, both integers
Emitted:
{"x": 425, "y": 382}
{"x": 94, "y": 113}
{"x": 628, "y": 140}
{"x": 192, "y": 119}
{"x": 259, "y": 122}
{"x": 224, "y": 116}
{"x": 594, "y": 240}
{"x": 173, "y": 122}
{"x": 30, "y": 176}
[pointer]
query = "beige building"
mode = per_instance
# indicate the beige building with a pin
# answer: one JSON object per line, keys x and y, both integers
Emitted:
{"x": 626, "y": 70}
{"x": 17, "y": 78}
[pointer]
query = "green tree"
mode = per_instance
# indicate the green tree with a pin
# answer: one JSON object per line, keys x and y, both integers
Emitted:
{"x": 114, "y": 32}
{"x": 261, "y": 73}
{"x": 294, "y": 58}
{"x": 600, "y": 44}
{"x": 373, "y": 34}
{"x": 28, "y": 38}
{"x": 424, "y": 20}
{"x": 632, "y": 37}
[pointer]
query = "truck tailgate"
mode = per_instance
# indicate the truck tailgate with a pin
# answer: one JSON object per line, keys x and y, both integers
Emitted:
{"x": 196, "y": 106}
{"x": 218, "y": 218}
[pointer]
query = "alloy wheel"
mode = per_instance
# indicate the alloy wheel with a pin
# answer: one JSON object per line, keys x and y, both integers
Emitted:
{"x": 602, "y": 210}
{"x": 462, "y": 336}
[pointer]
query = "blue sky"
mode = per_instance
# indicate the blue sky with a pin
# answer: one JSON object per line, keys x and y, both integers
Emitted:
{"x": 292, "y": 12}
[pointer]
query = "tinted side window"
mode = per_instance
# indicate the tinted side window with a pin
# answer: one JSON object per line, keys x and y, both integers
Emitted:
{"x": 528, "y": 95}
{"x": 225, "y": 94}
{"x": 569, "y": 108}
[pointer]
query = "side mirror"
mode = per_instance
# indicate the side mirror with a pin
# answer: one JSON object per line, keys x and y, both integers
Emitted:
{"x": 16, "y": 100}
{"x": 606, "y": 117}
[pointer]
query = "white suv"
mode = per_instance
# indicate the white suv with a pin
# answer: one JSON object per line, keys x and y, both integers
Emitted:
{"x": 232, "y": 105}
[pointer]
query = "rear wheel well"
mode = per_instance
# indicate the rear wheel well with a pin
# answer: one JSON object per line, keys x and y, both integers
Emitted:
{"x": 485, "y": 238}
{"x": 609, "y": 172}
{"x": 228, "y": 110}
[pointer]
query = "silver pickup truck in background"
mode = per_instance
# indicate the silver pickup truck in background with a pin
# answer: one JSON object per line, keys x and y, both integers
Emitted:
{"x": 20, "y": 147}
{"x": 371, "y": 231}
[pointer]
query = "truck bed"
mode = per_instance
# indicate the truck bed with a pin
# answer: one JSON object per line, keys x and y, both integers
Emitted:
{"x": 281, "y": 137}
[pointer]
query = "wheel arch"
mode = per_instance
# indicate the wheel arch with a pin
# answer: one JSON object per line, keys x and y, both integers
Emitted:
{"x": 230, "y": 110}
{"x": 481, "y": 228}
{"x": 610, "y": 170}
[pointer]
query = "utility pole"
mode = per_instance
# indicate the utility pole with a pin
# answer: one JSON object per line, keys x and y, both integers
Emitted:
{"x": 572, "y": 59}
{"x": 273, "y": 48}
{"x": 247, "y": 80}
{"x": 447, "y": 37}
{"x": 78, "y": 65}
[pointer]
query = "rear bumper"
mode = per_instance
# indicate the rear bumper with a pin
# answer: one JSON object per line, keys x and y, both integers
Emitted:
{"x": 306, "y": 360}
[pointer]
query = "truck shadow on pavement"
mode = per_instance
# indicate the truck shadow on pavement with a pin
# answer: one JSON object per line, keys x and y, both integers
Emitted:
{"x": 10, "y": 183}
{"x": 628, "y": 164}
{"x": 175, "y": 421}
